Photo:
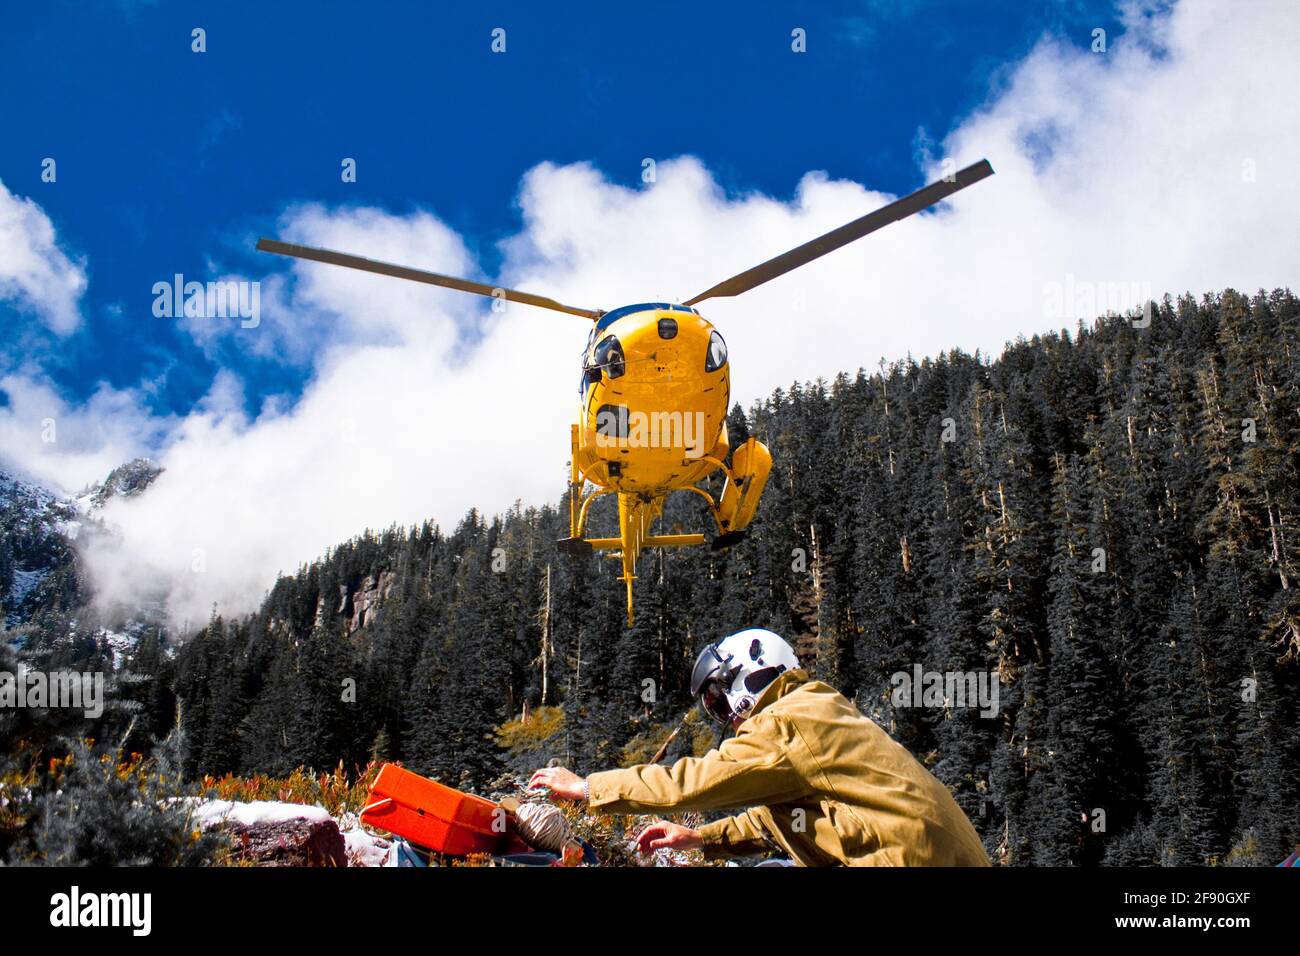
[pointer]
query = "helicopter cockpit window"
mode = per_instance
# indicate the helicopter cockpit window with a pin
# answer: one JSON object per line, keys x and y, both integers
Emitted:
{"x": 588, "y": 372}
{"x": 609, "y": 356}
{"x": 717, "y": 355}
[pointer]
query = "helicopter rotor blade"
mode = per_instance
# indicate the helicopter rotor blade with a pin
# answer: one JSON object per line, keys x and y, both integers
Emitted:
{"x": 816, "y": 248}
{"x": 419, "y": 275}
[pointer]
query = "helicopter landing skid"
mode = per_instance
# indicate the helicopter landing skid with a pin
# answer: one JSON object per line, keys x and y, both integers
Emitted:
{"x": 728, "y": 539}
{"x": 576, "y": 547}
{"x": 637, "y": 513}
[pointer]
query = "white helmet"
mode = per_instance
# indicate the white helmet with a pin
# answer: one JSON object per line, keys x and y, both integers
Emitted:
{"x": 729, "y": 675}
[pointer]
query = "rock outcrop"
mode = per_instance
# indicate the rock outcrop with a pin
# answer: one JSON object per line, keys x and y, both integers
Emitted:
{"x": 366, "y": 599}
{"x": 290, "y": 843}
{"x": 276, "y": 834}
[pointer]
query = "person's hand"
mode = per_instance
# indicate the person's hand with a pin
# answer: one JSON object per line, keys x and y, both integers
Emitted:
{"x": 563, "y": 784}
{"x": 673, "y": 836}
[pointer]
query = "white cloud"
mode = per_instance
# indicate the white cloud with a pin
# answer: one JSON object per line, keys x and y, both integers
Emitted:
{"x": 69, "y": 446}
{"x": 1122, "y": 167}
{"x": 384, "y": 433}
{"x": 1132, "y": 166}
{"x": 35, "y": 274}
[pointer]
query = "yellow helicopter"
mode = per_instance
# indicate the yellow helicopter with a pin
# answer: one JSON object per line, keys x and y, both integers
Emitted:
{"x": 656, "y": 386}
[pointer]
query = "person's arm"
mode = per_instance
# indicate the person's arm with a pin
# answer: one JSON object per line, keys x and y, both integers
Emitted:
{"x": 751, "y": 768}
{"x": 741, "y": 835}
{"x": 745, "y": 834}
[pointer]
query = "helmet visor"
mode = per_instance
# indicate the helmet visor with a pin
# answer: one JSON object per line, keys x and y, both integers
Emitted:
{"x": 706, "y": 668}
{"x": 713, "y": 699}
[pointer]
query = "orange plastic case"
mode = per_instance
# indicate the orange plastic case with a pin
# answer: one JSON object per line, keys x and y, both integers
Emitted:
{"x": 431, "y": 815}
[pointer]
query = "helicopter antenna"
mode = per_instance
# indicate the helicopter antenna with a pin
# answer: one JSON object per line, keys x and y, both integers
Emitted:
{"x": 419, "y": 275}
{"x": 816, "y": 248}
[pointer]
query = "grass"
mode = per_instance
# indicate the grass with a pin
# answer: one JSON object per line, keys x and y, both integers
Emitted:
{"x": 526, "y": 733}
{"x": 338, "y": 792}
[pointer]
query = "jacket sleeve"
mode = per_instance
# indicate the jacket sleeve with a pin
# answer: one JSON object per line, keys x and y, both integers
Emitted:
{"x": 749, "y": 769}
{"x": 741, "y": 835}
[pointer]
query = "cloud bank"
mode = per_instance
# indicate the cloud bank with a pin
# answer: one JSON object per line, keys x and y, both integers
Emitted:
{"x": 1165, "y": 163}
{"x": 35, "y": 274}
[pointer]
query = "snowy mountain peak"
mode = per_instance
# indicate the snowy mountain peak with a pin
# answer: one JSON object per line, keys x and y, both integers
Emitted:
{"x": 124, "y": 481}
{"x": 40, "y": 532}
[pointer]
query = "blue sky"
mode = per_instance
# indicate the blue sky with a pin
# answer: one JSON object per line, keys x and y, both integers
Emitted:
{"x": 1163, "y": 163}
{"x": 171, "y": 161}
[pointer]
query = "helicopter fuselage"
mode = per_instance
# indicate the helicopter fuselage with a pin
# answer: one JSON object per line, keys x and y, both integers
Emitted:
{"x": 655, "y": 391}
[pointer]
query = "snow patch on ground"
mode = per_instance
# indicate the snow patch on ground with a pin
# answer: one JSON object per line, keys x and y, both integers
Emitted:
{"x": 213, "y": 813}
{"x": 362, "y": 847}
{"x": 24, "y": 583}
{"x": 118, "y": 644}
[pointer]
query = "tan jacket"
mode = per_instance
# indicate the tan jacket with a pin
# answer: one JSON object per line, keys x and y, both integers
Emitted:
{"x": 824, "y": 785}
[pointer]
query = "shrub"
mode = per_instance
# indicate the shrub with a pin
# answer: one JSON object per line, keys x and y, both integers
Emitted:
{"x": 527, "y": 733}
{"x": 99, "y": 807}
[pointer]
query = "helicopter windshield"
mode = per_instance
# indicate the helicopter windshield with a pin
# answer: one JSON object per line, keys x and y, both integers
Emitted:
{"x": 717, "y": 354}
{"x": 609, "y": 356}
